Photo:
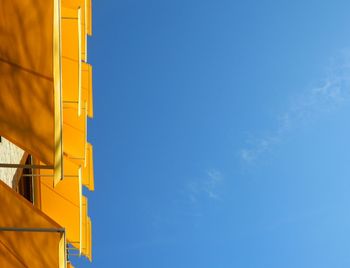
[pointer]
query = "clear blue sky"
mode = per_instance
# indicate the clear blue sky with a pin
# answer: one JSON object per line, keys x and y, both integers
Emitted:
{"x": 221, "y": 134}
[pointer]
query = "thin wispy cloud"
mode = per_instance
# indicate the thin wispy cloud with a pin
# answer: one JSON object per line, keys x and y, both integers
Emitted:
{"x": 206, "y": 187}
{"x": 330, "y": 93}
{"x": 192, "y": 200}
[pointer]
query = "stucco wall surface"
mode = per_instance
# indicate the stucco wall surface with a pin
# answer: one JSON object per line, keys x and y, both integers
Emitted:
{"x": 9, "y": 153}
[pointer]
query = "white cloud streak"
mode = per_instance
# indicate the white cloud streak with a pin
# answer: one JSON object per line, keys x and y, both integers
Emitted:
{"x": 331, "y": 92}
{"x": 206, "y": 187}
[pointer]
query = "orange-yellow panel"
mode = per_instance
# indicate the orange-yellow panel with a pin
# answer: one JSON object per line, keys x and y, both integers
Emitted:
{"x": 70, "y": 81}
{"x": 70, "y": 31}
{"x": 70, "y": 117}
{"x": 27, "y": 35}
{"x": 87, "y": 97}
{"x": 26, "y": 249}
{"x": 88, "y": 169}
{"x": 74, "y": 134}
{"x": 89, "y": 240}
{"x": 82, "y": 4}
{"x": 63, "y": 204}
{"x": 71, "y": 169}
{"x": 89, "y": 17}
{"x": 71, "y": 56}
{"x": 27, "y": 111}
{"x": 84, "y": 225}
{"x": 30, "y": 77}
{"x": 9, "y": 258}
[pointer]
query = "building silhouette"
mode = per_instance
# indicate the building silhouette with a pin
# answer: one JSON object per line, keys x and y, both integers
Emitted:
{"x": 45, "y": 158}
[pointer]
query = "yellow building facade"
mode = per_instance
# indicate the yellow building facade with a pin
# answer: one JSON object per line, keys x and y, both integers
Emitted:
{"x": 45, "y": 158}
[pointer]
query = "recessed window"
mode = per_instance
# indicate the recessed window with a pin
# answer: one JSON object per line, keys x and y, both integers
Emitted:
{"x": 25, "y": 184}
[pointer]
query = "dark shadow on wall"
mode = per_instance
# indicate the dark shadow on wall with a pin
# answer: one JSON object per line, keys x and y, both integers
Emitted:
{"x": 26, "y": 74}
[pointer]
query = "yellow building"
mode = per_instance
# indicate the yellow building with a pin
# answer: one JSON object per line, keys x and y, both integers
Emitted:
{"x": 45, "y": 158}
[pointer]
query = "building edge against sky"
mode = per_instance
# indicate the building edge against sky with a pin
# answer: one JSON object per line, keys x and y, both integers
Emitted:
{"x": 45, "y": 158}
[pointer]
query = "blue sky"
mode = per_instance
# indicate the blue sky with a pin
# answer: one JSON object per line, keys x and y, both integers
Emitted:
{"x": 221, "y": 134}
